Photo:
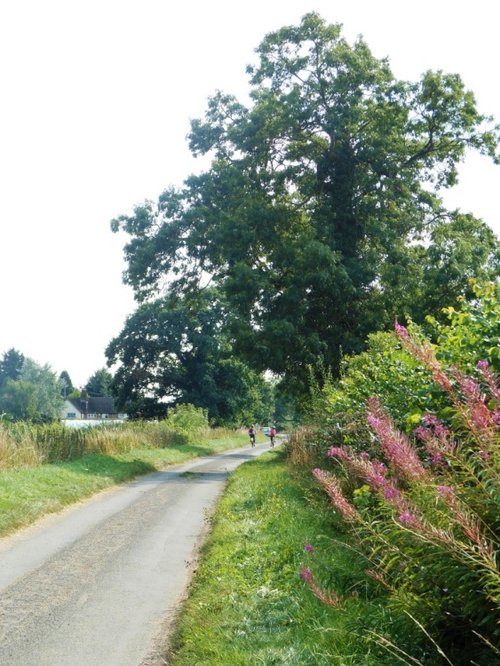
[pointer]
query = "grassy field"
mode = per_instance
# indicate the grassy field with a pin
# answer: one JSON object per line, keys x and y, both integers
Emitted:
{"x": 30, "y": 492}
{"x": 248, "y": 605}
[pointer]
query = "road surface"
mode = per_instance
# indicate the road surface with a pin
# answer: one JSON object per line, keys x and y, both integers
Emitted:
{"x": 98, "y": 584}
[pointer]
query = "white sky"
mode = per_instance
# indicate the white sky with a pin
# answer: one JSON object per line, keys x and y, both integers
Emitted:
{"x": 96, "y": 98}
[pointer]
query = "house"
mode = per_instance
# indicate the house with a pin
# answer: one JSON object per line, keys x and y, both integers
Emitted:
{"x": 87, "y": 408}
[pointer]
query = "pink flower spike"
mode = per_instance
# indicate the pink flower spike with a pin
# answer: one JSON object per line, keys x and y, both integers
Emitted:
{"x": 373, "y": 421}
{"x": 441, "y": 431}
{"x": 445, "y": 491}
{"x": 407, "y": 518}
{"x": 470, "y": 387}
{"x": 336, "y": 452}
{"x": 401, "y": 456}
{"x": 482, "y": 365}
{"x": 306, "y": 574}
{"x": 401, "y": 331}
{"x": 391, "y": 493}
{"x": 422, "y": 433}
{"x": 332, "y": 488}
{"x": 308, "y": 548}
{"x": 437, "y": 459}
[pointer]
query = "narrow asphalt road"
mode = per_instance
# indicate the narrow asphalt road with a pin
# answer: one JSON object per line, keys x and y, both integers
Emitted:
{"x": 98, "y": 584}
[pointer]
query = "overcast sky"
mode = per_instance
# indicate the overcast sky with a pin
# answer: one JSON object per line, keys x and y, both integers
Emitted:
{"x": 96, "y": 98}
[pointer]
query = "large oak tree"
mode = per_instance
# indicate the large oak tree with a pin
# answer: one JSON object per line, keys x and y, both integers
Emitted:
{"x": 320, "y": 217}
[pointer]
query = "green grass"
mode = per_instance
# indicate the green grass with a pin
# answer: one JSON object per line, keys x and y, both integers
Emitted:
{"x": 29, "y": 493}
{"x": 247, "y": 603}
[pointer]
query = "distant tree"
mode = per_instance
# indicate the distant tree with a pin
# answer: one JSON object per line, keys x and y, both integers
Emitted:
{"x": 67, "y": 387}
{"x": 171, "y": 351}
{"x": 18, "y": 399}
{"x": 11, "y": 365}
{"x": 100, "y": 384}
{"x": 35, "y": 395}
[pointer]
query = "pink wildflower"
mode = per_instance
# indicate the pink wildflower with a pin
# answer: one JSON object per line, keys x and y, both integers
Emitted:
{"x": 395, "y": 445}
{"x": 378, "y": 466}
{"x": 422, "y": 433}
{"x": 441, "y": 431}
{"x": 331, "y": 486}
{"x": 424, "y": 352}
{"x": 308, "y": 548}
{"x": 401, "y": 331}
{"x": 470, "y": 387}
{"x": 337, "y": 452}
{"x": 430, "y": 420}
{"x": 445, "y": 491}
{"x": 437, "y": 459}
{"x": 475, "y": 410}
{"x": 496, "y": 418}
{"x": 331, "y": 598}
{"x": 484, "y": 455}
{"x": 408, "y": 519}
{"x": 489, "y": 378}
{"x": 373, "y": 421}
{"x": 306, "y": 574}
{"x": 391, "y": 493}
{"x": 481, "y": 415}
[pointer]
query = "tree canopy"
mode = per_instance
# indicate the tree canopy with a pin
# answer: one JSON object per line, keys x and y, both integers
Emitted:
{"x": 320, "y": 217}
{"x": 34, "y": 394}
{"x": 100, "y": 384}
{"x": 10, "y": 365}
{"x": 67, "y": 387}
{"x": 172, "y": 351}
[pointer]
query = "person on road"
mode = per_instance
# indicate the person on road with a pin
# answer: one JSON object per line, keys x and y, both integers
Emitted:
{"x": 272, "y": 434}
{"x": 251, "y": 434}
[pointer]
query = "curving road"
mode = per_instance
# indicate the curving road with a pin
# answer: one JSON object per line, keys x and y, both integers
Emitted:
{"x": 98, "y": 584}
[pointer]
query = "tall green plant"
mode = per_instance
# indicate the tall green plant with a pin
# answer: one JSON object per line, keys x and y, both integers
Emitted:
{"x": 187, "y": 419}
{"x": 425, "y": 512}
{"x": 472, "y": 330}
{"x": 404, "y": 384}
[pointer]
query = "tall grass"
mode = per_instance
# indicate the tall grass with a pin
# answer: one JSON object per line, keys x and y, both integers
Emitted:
{"x": 27, "y": 445}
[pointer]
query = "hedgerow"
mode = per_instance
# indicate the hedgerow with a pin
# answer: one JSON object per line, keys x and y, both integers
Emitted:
{"x": 412, "y": 468}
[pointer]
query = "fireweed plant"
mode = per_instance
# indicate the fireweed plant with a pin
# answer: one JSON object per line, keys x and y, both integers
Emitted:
{"x": 425, "y": 511}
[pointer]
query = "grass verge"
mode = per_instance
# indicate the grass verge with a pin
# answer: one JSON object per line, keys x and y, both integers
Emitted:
{"x": 247, "y": 604}
{"x": 29, "y": 493}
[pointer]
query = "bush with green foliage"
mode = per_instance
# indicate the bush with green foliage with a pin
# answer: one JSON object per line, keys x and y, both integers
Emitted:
{"x": 403, "y": 384}
{"x": 424, "y": 510}
{"x": 187, "y": 419}
{"x": 32, "y": 392}
{"x": 472, "y": 331}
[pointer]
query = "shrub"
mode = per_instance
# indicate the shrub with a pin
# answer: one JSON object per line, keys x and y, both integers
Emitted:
{"x": 187, "y": 419}
{"x": 472, "y": 332}
{"x": 424, "y": 510}
{"x": 404, "y": 384}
